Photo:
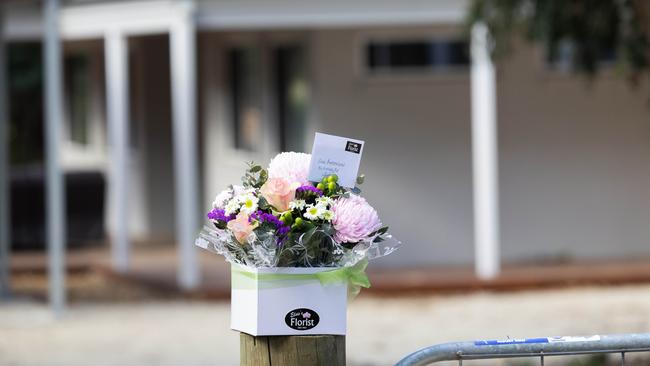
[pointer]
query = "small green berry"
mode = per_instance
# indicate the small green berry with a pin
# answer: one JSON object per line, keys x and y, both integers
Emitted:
{"x": 333, "y": 178}
{"x": 331, "y": 186}
{"x": 298, "y": 221}
{"x": 320, "y": 186}
{"x": 287, "y": 218}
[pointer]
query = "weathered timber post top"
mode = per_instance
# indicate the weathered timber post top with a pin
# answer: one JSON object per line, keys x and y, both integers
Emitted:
{"x": 317, "y": 350}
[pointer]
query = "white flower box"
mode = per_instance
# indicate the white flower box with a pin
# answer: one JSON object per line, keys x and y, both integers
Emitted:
{"x": 286, "y": 301}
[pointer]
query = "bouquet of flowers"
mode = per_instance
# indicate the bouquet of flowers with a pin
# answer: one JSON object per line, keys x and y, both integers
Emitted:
{"x": 278, "y": 218}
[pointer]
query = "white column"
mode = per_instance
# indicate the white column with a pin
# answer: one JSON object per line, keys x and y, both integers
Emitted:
{"x": 485, "y": 156}
{"x": 183, "y": 81}
{"x": 117, "y": 110}
{"x": 55, "y": 191}
{"x": 5, "y": 229}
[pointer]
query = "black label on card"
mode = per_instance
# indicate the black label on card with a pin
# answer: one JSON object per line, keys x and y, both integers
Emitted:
{"x": 354, "y": 147}
{"x": 302, "y": 319}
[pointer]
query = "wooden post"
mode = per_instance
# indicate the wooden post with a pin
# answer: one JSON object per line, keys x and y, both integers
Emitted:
{"x": 321, "y": 350}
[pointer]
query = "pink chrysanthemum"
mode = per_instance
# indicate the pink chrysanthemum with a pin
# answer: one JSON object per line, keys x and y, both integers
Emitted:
{"x": 291, "y": 166}
{"x": 354, "y": 219}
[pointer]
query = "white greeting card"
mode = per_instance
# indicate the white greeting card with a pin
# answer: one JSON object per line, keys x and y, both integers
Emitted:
{"x": 335, "y": 155}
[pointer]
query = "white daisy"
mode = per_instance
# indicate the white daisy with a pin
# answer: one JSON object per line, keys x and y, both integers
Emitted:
{"x": 297, "y": 205}
{"x": 313, "y": 212}
{"x": 243, "y": 194}
{"x": 221, "y": 199}
{"x": 239, "y": 190}
{"x": 249, "y": 203}
{"x": 232, "y": 206}
{"x": 325, "y": 201}
{"x": 328, "y": 215}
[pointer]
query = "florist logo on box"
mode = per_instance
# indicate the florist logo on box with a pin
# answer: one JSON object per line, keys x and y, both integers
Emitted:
{"x": 302, "y": 319}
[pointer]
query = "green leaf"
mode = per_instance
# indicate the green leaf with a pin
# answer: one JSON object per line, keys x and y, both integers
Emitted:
{"x": 308, "y": 225}
{"x": 244, "y": 181}
{"x": 309, "y": 234}
{"x": 263, "y": 177}
{"x": 328, "y": 229}
{"x": 255, "y": 169}
{"x": 263, "y": 203}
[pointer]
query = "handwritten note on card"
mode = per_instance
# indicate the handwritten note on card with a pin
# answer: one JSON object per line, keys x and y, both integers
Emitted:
{"x": 335, "y": 155}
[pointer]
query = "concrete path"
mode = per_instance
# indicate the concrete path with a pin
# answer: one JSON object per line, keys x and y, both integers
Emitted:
{"x": 381, "y": 330}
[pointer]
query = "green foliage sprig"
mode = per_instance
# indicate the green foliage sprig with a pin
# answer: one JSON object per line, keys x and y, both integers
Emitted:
{"x": 255, "y": 176}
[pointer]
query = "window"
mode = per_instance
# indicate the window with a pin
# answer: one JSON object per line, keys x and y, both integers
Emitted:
{"x": 390, "y": 57}
{"x": 287, "y": 84}
{"x": 76, "y": 82}
{"x": 245, "y": 106}
{"x": 25, "y": 90}
{"x": 291, "y": 96}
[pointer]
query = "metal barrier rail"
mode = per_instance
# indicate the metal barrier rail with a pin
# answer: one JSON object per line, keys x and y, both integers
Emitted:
{"x": 529, "y": 347}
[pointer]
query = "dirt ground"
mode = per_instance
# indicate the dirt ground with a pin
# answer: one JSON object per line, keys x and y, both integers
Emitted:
{"x": 139, "y": 329}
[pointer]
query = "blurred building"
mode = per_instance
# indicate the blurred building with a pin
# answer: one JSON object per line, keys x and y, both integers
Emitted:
{"x": 573, "y": 155}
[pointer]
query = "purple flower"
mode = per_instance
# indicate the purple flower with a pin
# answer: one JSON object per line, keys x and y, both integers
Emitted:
{"x": 262, "y": 216}
{"x": 281, "y": 229}
{"x": 306, "y": 189}
{"x": 219, "y": 214}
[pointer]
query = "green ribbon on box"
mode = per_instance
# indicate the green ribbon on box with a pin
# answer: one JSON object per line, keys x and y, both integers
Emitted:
{"x": 355, "y": 276}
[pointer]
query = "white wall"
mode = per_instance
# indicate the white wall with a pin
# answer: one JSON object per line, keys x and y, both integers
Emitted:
{"x": 417, "y": 157}
{"x": 575, "y": 158}
{"x": 296, "y": 14}
{"x": 23, "y": 20}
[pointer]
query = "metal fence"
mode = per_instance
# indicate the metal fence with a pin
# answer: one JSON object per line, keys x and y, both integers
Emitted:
{"x": 530, "y": 347}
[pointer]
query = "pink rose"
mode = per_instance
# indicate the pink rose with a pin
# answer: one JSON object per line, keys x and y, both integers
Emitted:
{"x": 241, "y": 227}
{"x": 278, "y": 192}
